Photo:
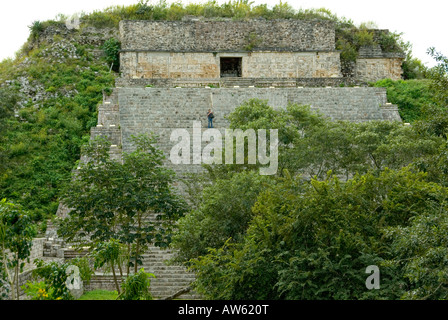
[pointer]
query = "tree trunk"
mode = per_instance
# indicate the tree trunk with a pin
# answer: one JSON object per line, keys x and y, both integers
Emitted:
{"x": 16, "y": 276}
{"x": 137, "y": 246}
{"x": 128, "y": 268}
{"x": 136, "y": 256}
{"x": 115, "y": 277}
{"x": 10, "y": 279}
{"x": 121, "y": 270}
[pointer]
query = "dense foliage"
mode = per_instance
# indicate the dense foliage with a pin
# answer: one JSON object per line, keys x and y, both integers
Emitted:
{"x": 314, "y": 241}
{"x": 412, "y": 97}
{"x": 54, "y": 91}
{"x": 347, "y": 196}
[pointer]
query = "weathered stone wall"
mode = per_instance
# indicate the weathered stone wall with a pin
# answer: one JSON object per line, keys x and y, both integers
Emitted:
{"x": 169, "y": 65}
{"x": 292, "y": 65}
{"x": 85, "y": 35}
{"x": 268, "y": 49}
{"x": 188, "y": 65}
{"x": 218, "y": 36}
{"x": 160, "y": 110}
{"x": 374, "y": 69}
{"x": 242, "y": 82}
{"x": 37, "y": 250}
{"x": 373, "y": 64}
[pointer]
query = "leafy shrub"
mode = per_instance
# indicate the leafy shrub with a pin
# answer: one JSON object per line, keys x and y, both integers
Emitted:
{"x": 38, "y": 291}
{"x": 111, "y": 48}
{"x": 54, "y": 275}
{"x": 348, "y": 50}
{"x": 36, "y": 28}
{"x": 363, "y": 37}
{"x": 136, "y": 286}
{"x": 389, "y": 42}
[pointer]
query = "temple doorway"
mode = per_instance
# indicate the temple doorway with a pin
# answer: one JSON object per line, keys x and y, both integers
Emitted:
{"x": 231, "y": 67}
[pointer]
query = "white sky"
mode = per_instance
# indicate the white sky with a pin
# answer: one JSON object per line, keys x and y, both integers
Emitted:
{"x": 423, "y": 23}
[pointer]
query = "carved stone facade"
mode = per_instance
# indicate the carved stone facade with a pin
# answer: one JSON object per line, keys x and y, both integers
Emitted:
{"x": 254, "y": 49}
{"x": 372, "y": 65}
{"x": 189, "y": 65}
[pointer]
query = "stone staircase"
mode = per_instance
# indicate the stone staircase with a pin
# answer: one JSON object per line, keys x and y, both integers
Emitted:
{"x": 231, "y": 82}
{"x": 130, "y": 111}
{"x": 169, "y": 278}
{"x": 109, "y": 124}
{"x": 101, "y": 281}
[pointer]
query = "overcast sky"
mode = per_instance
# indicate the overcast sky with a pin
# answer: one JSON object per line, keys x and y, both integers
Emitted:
{"x": 423, "y": 23}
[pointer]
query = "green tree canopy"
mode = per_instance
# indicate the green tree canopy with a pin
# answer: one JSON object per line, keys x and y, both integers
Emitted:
{"x": 110, "y": 199}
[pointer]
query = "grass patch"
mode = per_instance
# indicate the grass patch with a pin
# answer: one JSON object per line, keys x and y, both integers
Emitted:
{"x": 99, "y": 295}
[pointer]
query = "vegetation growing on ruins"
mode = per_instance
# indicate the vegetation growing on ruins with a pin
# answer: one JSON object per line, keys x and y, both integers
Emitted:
{"x": 377, "y": 194}
{"x": 349, "y": 195}
{"x": 110, "y": 200}
{"x": 56, "y": 103}
{"x": 54, "y": 91}
{"x": 349, "y": 37}
{"x": 412, "y": 96}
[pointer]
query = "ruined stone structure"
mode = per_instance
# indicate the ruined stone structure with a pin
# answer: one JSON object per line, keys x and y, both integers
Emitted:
{"x": 173, "y": 72}
{"x": 253, "y": 49}
{"x": 372, "y": 64}
{"x": 214, "y": 49}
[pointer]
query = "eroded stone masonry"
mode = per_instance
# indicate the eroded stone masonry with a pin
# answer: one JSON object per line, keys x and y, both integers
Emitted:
{"x": 173, "y": 72}
{"x": 199, "y": 49}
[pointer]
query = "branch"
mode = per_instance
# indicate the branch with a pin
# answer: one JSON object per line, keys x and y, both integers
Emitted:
{"x": 178, "y": 293}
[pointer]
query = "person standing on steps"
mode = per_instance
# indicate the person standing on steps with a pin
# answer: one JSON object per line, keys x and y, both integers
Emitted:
{"x": 210, "y": 117}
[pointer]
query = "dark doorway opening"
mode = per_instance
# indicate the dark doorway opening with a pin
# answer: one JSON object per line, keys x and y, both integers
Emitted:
{"x": 231, "y": 67}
